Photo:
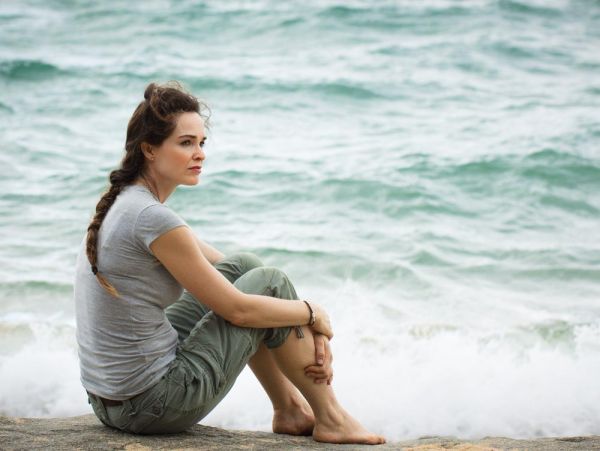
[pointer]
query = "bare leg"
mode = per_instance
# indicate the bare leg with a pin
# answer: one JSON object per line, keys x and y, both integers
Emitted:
{"x": 332, "y": 423}
{"x": 292, "y": 414}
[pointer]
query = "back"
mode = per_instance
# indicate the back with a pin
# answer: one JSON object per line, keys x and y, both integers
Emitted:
{"x": 126, "y": 343}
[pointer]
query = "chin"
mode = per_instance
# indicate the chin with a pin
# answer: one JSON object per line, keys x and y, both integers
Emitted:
{"x": 191, "y": 181}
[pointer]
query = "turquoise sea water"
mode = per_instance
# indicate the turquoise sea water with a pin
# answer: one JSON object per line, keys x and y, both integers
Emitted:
{"x": 428, "y": 171}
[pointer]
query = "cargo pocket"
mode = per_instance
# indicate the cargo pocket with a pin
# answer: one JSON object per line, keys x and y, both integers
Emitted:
{"x": 203, "y": 387}
{"x": 146, "y": 408}
{"x": 118, "y": 416}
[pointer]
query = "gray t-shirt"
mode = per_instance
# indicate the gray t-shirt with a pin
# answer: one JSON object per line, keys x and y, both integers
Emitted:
{"x": 126, "y": 343}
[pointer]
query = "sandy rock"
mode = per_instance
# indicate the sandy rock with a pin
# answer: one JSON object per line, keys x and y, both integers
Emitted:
{"x": 87, "y": 433}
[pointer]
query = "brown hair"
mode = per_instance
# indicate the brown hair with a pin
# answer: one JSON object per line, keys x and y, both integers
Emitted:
{"x": 152, "y": 122}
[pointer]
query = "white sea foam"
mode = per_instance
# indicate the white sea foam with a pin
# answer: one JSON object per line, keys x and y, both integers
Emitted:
{"x": 41, "y": 378}
{"x": 409, "y": 378}
{"x": 402, "y": 374}
{"x": 404, "y": 377}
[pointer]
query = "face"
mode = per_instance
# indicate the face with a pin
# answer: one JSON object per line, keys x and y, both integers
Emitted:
{"x": 178, "y": 160}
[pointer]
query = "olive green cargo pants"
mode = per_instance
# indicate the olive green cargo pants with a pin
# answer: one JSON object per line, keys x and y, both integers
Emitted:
{"x": 210, "y": 355}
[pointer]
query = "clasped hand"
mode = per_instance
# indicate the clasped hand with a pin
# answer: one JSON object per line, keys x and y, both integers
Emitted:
{"x": 321, "y": 371}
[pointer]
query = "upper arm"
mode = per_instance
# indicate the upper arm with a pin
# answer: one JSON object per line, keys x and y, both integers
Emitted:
{"x": 180, "y": 253}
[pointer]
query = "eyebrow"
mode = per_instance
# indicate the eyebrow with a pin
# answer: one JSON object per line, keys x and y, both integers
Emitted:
{"x": 191, "y": 136}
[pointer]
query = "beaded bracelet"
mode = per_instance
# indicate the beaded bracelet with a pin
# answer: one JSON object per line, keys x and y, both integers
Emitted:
{"x": 311, "y": 321}
{"x": 313, "y": 317}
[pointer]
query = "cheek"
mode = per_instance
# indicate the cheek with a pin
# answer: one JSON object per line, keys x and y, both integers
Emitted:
{"x": 183, "y": 160}
{"x": 175, "y": 162}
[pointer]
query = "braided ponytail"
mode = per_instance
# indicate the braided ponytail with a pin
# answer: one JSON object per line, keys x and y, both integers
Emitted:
{"x": 152, "y": 122}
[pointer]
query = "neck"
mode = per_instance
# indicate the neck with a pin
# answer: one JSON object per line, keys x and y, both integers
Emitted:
{"x": 160, "y": 191}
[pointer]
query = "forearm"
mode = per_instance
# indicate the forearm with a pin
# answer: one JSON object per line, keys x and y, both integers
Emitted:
{"x": 266, "y": 311}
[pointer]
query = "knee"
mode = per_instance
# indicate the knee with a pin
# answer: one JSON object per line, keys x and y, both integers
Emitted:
{"x": 273, "y": 277}
{"x": 249, "y": 260}
{"x": 266, "y": 280}
{"x": 276, "y": 283}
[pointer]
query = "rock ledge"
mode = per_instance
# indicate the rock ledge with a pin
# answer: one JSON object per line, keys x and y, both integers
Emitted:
{"x": 87, "y": 433}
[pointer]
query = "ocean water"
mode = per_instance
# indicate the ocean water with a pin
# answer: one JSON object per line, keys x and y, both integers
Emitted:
{"x": 428, "y": 171}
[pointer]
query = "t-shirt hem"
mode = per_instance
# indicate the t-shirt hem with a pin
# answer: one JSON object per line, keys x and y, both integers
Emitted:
{"x": 123, "y": 397}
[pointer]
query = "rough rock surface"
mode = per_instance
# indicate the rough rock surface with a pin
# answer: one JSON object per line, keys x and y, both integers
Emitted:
{"x": 87, "y": 433}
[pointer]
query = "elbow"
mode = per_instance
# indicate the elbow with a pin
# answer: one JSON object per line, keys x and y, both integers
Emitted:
{"x": 238, "y": 319}
{"x": 240, "y": 315}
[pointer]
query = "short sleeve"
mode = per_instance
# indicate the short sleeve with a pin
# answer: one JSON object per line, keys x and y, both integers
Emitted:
{"x": 153, "y": 221}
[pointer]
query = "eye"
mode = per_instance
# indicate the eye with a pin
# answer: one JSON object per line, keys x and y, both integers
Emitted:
{"x": 186, "y": 142}
{"x": 203, "y": 143}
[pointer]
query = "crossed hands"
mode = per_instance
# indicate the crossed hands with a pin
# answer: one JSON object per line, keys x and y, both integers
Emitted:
{"x": 321, "y": 371}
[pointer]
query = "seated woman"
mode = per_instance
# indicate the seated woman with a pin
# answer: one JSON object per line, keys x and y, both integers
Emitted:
{"x": 155, "y": 359}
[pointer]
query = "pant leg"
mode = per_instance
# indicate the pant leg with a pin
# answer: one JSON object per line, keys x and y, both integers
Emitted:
{"x": 210, "y": 359}
{"x": 187, "y": 311}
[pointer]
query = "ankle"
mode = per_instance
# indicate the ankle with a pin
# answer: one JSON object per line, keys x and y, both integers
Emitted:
{"x": 293, "y": 402}
{"x": 331, "y": 416}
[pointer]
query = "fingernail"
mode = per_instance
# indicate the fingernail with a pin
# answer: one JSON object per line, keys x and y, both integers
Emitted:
{"x": 320, "y": 361}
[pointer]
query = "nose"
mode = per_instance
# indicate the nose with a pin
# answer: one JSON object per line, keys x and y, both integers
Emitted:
{"x": 199, "y": 154}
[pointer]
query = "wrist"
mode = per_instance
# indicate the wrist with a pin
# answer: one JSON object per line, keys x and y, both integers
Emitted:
{"x": 313, "y": 317}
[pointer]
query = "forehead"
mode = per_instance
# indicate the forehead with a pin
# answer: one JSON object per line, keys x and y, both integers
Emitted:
{"x": 189, "y": 124}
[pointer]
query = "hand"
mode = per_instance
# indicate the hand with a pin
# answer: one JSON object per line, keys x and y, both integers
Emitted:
{"x": 322, "y": 324}
{"x": 322, "y": 371}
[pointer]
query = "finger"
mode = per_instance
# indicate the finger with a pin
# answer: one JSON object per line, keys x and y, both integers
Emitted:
{"x": 319, "y": 349}
{"x": 325, "y": 348}
{"x": 318, "y": 373}
{"x": 319, "y": 368}
{"x": 328, "y": 354}
{"x": 319, "y": 376}
{"x": 327, "y": 368}
{"x": 324, "y": 377}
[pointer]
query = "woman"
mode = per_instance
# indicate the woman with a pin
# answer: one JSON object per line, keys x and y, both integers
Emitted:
{"x": 156, "y": 361}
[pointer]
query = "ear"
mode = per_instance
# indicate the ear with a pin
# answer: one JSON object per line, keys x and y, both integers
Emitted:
{"x": 148, "y": 151}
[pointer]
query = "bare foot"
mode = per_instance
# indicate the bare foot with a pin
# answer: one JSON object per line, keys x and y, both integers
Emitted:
{"x": 294, "y": 420}
{"x": 342, "y": 428}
